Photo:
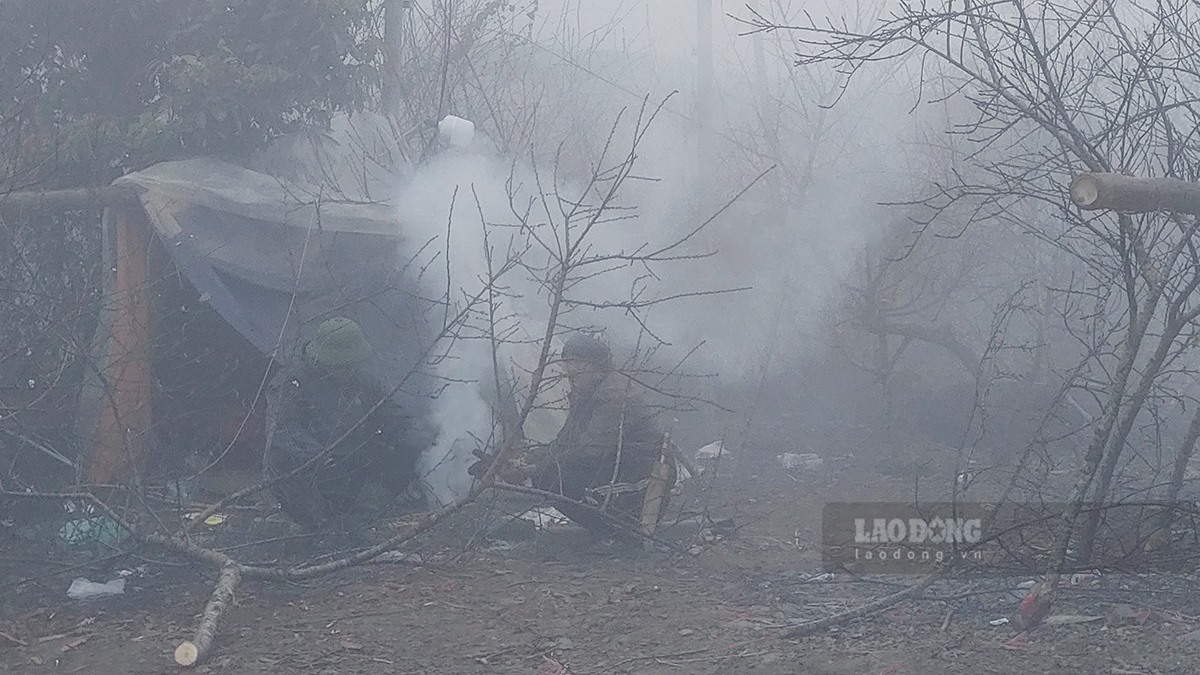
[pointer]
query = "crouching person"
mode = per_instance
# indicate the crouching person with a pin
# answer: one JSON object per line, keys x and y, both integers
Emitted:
{"x": 311, "y": 404}
{"x": 606, "y": 453}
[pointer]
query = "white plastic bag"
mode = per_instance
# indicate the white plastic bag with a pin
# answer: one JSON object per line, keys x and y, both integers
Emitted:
{"x": 83, "y": 589}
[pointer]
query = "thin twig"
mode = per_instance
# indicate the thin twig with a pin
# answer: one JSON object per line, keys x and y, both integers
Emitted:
{"x": 16, "y": 641}
{"x": 620, "y": 523}
{"x": 810, "y": 627}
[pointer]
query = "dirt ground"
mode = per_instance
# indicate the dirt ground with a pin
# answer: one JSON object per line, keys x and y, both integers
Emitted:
{"x": 479, "y": 596}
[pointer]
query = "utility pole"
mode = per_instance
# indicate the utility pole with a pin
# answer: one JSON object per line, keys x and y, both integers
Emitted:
{"x": 394, "y": 14}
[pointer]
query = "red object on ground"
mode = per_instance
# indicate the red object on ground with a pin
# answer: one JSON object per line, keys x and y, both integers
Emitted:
{"x": 1029, "y": 604}
{"x": 1034, "y": 606}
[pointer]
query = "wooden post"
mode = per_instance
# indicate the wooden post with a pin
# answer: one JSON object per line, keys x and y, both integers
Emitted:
{"x": 124, "y": 422}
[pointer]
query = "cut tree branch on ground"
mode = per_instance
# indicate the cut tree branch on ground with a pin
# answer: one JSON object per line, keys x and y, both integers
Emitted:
{"x": 232, "y": 572}
{"x": 191, "y": 652}
{"x": 187, "y": 653}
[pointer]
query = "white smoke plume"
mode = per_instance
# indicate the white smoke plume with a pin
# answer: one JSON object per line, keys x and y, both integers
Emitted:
{"x": 446, "y": 197}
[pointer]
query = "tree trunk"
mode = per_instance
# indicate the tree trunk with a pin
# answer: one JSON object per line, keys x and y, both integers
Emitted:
{"x": 394, "y": 13}
{"x": 1116, "y": 440}
{"x": 937, "y": 335}
{"x": 1095, "y": 453}
{"x": 1183, "y": 455}
{"x": 1127, "y": 194}
{"x": 1041, "y": 347}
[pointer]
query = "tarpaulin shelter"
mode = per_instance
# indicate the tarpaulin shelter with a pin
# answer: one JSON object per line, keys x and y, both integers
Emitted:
{"x": 212, "y": 272}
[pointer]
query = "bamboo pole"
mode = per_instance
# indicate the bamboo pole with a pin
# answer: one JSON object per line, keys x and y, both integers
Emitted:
{"x": 43, "y": 201}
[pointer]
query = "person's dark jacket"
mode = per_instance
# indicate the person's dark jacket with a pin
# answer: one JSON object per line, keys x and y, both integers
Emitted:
{"x": 604, "y": 421}
{"x": 306, "y": 412}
